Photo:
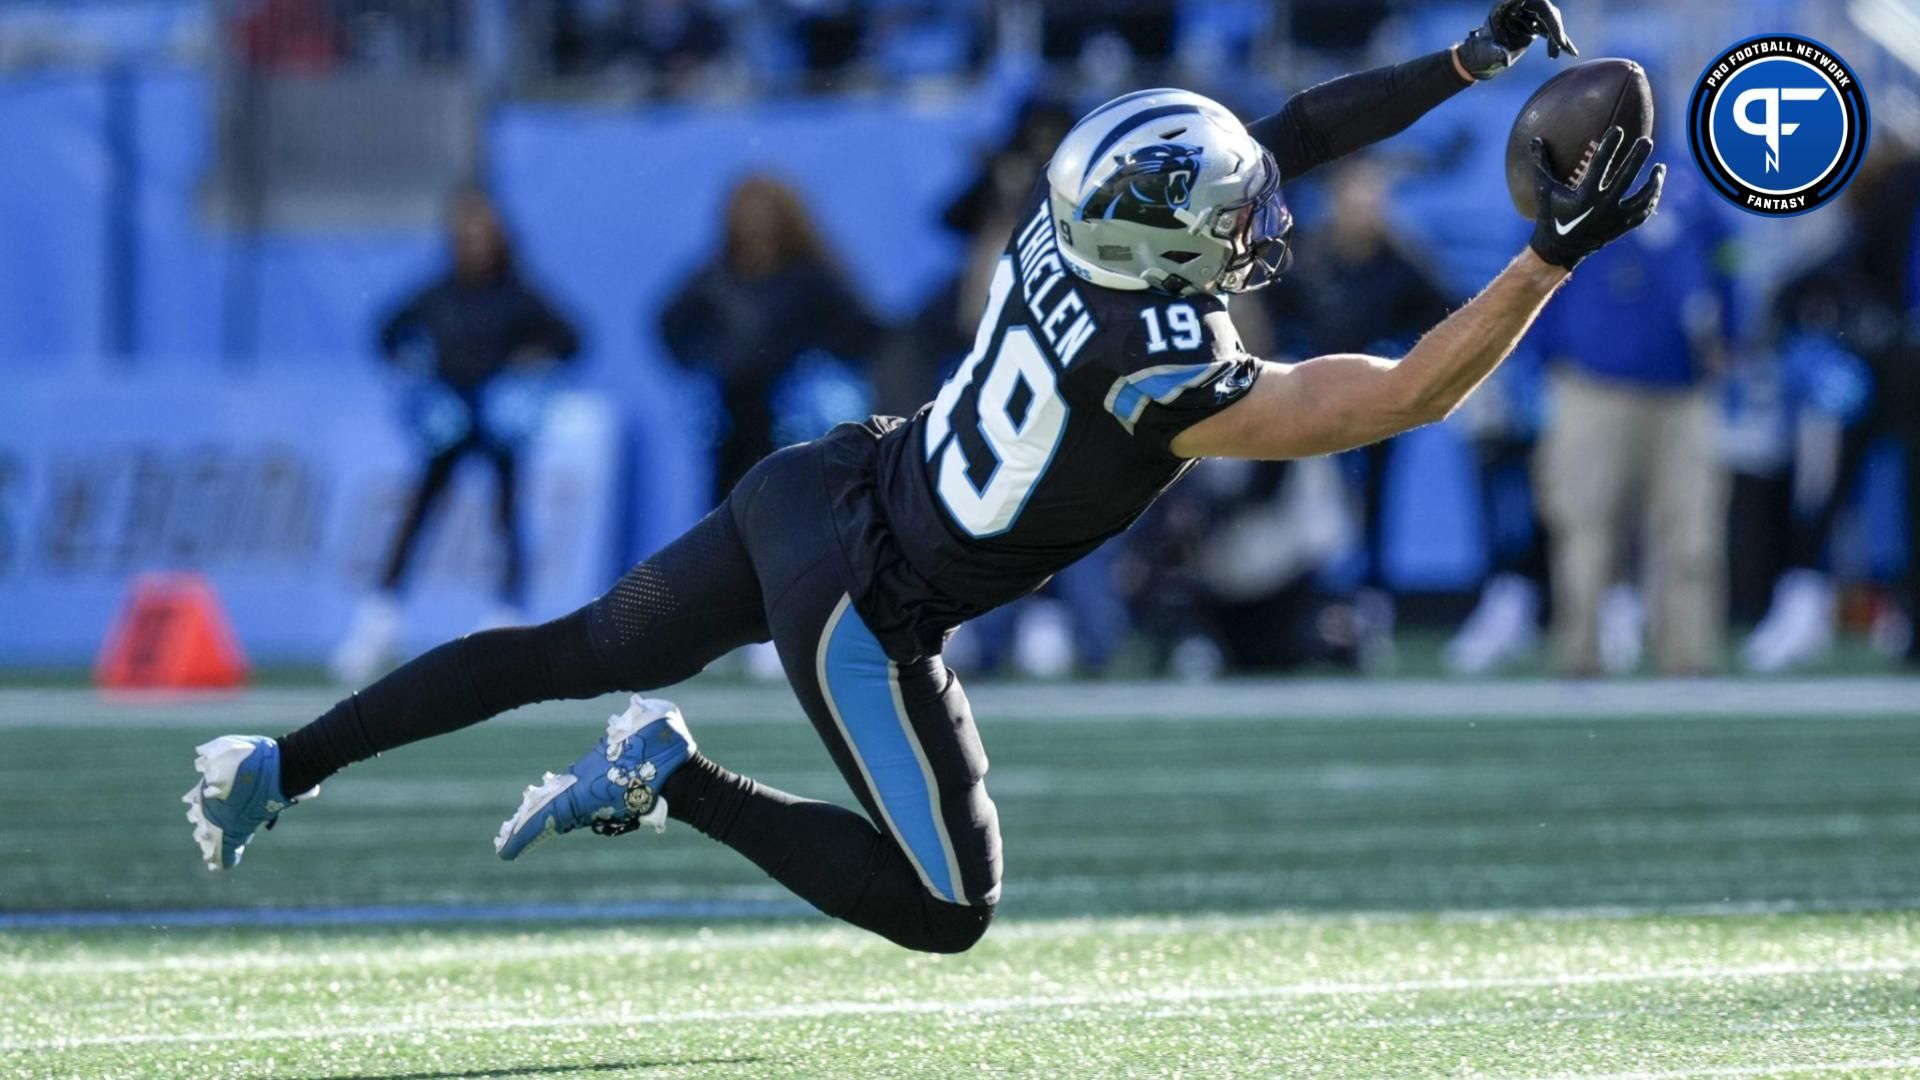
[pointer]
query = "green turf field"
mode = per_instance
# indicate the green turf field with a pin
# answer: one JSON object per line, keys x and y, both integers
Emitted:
{"x": 1259, "y": 880}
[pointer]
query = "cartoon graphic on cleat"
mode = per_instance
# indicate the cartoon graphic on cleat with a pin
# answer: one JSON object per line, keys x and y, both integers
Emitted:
{"x": 613, "y": 788}
{"x": 238, "y": 793}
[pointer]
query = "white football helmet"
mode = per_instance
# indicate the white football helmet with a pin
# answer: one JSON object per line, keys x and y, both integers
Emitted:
{"x": 1165, "y": 189}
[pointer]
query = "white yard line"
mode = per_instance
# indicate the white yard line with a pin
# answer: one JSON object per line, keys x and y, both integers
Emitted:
{"x": 1809, "y": 1069}
{"x": 1318, "y": 699}
{"x": 616, "y": 942}
{"x": 1503, "y": 1017}
{"x": 426, "y": 1026}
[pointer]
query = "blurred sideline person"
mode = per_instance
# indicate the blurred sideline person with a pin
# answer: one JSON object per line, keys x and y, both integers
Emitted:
{"x": 1074, "y": 625}
{"x": 1848, "y": 337}
{"x": 670, "y": 46}
{"x": 1503, "y": 425}
{"x": 1632, "y": 446}
{"x": 1360, "y": 287}
{"x": 1104, "y": 365}
{"x": 477, "y": 336}
{"x": 1223, "y": 574}
{"x": 771, "y": 299}
{"x": 933, "y": 343}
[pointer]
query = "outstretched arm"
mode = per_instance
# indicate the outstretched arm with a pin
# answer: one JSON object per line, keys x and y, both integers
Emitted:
{"x": 1335, "y": 403}
{"x": 1335, "y": 118}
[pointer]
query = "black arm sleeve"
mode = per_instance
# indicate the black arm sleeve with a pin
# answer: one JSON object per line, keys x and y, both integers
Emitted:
{"x": 1342, "y": 115}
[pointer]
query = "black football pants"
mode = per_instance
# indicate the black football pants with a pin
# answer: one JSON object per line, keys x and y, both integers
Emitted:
{"x": 921, "y": 867}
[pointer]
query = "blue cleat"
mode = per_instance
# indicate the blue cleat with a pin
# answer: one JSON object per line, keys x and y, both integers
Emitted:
{"x": 613, "y": 788}
{"x": 238, "y": 793}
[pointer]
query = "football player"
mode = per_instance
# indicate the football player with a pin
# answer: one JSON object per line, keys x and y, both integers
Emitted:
{"x": 1104, "y": 365}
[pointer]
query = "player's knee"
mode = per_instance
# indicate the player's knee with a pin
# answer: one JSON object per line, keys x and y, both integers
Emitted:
{"x": 954, "y": 928}
{"x": 961, "y": 926}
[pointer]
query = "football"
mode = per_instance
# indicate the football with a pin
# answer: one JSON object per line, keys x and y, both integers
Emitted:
{"x": 1571, "y": 111}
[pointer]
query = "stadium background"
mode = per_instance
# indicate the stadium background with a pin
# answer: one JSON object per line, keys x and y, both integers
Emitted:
{"x": 198, "y": 260}
{"x": 206, "y": 216}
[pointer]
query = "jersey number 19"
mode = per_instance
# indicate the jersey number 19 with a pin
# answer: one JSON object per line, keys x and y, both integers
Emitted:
{"x": 1020, "y": 429}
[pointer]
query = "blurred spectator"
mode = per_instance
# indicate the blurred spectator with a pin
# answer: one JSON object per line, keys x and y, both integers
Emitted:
{"x": 913, "y": 40}
{"x": 1344, "y": 27}
{"x": 1847, "y": 334}
{"x": 401, "y": 33}
{"x": 668, "y": 39}
{"x": 831, "y": 35}
{"x": 313, "y": 37}
{"x": 479, "y": 339}
{"x": 932, "y": 345}
{"x": 1356, "y": 288}
{"x": 672, "y": 35}
{"x": 1074, "y": 625}
{"x": 771, "y": 301}
{"x": 1008, "y": 173}
{"x": 1756, "y": 444}
{"x": 1141, "y": 28}
{"x": 1502, "y": 420}
{"x": 1632, "y": 342}
{"x": 1223, "y": 573}
{"x": 289, "y": 37}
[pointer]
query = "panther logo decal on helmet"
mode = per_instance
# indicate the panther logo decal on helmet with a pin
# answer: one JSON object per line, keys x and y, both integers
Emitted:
{"x": 1165, "y": 189}
{"x": 1146, "y": 186}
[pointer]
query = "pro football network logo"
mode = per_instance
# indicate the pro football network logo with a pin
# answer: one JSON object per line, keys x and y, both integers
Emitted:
{"x": 1778, "y": 124}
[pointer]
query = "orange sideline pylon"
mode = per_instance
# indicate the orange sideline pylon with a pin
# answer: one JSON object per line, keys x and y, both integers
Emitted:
{"x": 172, "y": 635}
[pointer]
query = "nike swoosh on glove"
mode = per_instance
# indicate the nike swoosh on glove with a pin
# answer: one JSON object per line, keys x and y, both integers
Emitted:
{"x": 1576, "y": 220}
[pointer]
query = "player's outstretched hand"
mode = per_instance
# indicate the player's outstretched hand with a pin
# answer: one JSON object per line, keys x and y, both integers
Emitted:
{"x": 1576, "y": 220}
{"x": 1511, "y": 26}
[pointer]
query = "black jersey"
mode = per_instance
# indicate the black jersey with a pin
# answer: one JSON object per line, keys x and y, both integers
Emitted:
{"x": 1051, "y": 437}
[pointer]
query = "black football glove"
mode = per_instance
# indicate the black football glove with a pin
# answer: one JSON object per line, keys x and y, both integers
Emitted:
{"x": 1510, "y": 27}
{"x": 1576, "y": 220}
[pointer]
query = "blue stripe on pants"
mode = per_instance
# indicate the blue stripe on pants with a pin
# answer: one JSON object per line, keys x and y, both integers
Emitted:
{"x": 858, "y": 682}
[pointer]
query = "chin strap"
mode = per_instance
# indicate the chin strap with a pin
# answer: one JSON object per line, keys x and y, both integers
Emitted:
{"x": 1167, "y": 282}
